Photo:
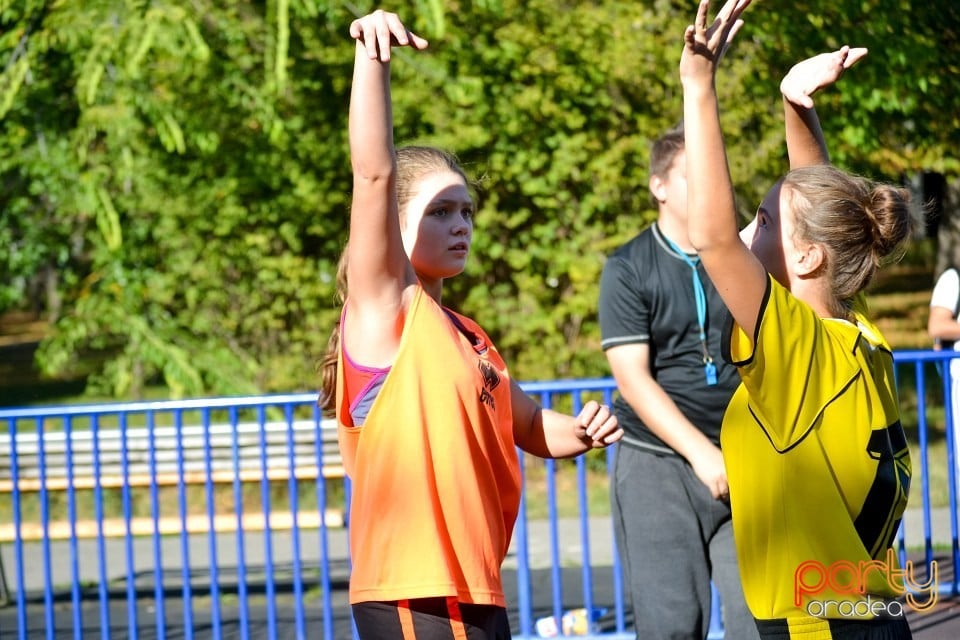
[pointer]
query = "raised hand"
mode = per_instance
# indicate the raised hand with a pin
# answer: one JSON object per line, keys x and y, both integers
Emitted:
{"x": 704, "y": 46}
{"x": 809, "y": 76}
{"x": 381, "y": 30}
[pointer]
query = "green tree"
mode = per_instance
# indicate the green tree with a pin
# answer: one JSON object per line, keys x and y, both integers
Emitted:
{"x": 176, "y": 176}
{"x": 184, "y": 195}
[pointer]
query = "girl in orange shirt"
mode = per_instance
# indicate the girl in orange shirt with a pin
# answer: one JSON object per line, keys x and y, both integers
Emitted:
{"x": 429, "y": 418}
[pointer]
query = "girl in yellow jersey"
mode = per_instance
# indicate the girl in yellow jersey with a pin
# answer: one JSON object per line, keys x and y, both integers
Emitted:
{"x": 816, "y": 458}
{"x": 429, "y": 417}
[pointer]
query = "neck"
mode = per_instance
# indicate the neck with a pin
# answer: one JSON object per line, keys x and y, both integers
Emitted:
{"x": 816, "y": 293}
{"x": 434, "y": 288}
{"x": 676, "y": 231}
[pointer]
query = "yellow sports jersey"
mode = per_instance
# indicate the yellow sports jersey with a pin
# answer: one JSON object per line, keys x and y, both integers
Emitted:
{"x": 818, "y": 469}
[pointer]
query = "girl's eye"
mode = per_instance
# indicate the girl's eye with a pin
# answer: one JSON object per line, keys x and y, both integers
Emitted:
{"x": 467, "y": 212}
{"x": 761, "y": 221}
{"x": 440, "y": 212}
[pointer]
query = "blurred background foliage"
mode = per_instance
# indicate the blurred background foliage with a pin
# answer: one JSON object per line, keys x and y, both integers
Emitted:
{"x": 176, "y": 180}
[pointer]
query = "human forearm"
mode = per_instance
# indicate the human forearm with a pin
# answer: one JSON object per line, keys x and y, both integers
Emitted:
{"x": 711, "y": 209}
{"x": 559, "y": 436}
{"x": 370, "y": 124}
{"x": 806, "y": 145}
{"x": 377, "y": 267}
{"x": 551, "y": 434}
{"x": 665, "y": 420}
{"x": 943, "y": 328}
{"x": 661, "y": 415}
{"x": 371, "y": 118}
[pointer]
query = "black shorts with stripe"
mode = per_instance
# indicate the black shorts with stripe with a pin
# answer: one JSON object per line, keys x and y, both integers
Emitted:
{"x": 881, "y": 629}
{"x": 430, "y": 619}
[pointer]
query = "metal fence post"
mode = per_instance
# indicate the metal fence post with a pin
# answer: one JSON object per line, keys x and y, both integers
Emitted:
{"x": 4, "y": 593}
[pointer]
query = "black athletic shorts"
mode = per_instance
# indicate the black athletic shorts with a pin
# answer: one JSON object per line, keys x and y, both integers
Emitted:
{"x": 430, "y": 619}
{"x": 888, "y": 629}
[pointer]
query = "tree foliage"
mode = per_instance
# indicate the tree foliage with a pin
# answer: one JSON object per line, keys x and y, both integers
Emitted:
{"x": 176, "y": 175}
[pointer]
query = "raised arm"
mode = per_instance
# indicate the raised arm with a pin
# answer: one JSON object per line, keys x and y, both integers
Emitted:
{"x": 805, "y": 142}
{"x": 378, "y": 270}
{"x": 739, "y": 277}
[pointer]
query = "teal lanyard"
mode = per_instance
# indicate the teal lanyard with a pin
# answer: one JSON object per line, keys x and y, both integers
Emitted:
{"x": 700, "y": 295}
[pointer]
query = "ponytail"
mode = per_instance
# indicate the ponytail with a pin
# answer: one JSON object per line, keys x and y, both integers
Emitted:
{"x": 327, "y": 366}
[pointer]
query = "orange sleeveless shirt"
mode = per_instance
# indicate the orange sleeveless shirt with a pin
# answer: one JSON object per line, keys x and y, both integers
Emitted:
{"x": 435, "y": 472}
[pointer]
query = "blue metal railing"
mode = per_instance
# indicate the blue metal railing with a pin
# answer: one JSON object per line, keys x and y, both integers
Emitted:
{"x": 187, "y": 450}
{"x": 941, "y": 362}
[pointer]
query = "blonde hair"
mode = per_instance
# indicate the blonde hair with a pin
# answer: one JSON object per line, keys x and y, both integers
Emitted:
{"x": 859, "y": 224}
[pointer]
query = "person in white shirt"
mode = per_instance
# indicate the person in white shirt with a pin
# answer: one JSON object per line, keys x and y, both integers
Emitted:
{"x": 944, "y": 327}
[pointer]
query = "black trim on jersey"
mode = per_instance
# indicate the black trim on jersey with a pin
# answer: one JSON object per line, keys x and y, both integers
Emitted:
{"x": 876, "y": 524}
{"x": 810, "y": 427}
{"x": 476, "y": 341}
{"x": 857, "y": 345}
{"x": 728, "y": 331}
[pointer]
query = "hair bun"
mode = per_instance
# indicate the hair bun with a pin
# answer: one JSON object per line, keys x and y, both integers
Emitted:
{"x": 888, "y": 208}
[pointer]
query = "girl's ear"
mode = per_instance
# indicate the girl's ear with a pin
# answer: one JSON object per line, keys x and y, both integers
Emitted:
{"x": 810, "y": 260}
{"x": 658, "y": 188}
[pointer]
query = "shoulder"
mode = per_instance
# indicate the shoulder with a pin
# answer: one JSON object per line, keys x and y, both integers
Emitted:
{"x": 950, "y": 277}
{"x": 634, "y": 253}
{"x": 639, "y": 243}
{"x": 785, "y": 324}
{"x": 950, "y": 273}
{"x": 947, "y": 290}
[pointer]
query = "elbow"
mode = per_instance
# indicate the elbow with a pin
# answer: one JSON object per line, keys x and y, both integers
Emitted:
{"x": 701, "y": 242}
{"x": 698, "y": 242}
{"x": 370, "y": 173}
{"x": 715, "y": 240}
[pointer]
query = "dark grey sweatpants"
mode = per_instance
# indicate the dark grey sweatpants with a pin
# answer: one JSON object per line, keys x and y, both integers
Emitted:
{"x": 673, "y": 538}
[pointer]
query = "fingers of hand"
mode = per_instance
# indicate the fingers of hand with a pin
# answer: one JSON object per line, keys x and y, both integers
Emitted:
{"x": 723, "y": 28}
{"x": 396, "y": 28}
{"x": 720, "y": 489}
{"x": 854, "y": 56}
{"x": 610, "y": 438}
{"x": 381, "y": 30}
{"x": 365, "y": 30}
{"x": 416, "y": 41}
{"x": 701, "y": 22}
{"x": 733, "y": 31}
{"x": 590, "y": 417}
{"x": 596, "y": 421}
{"x": 729, "y": 14}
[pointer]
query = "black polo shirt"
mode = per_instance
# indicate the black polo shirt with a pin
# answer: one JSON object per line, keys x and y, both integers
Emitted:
{"x": 647, "y": 296}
